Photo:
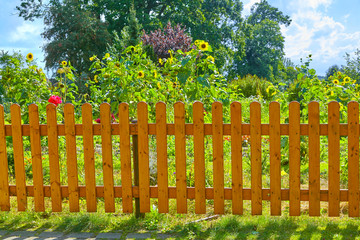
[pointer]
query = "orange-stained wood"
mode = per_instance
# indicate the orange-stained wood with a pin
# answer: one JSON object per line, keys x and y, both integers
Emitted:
{"x": 353, "y": 159}
{"x": 256, "y": 175}
{"x": 275, "y": 158}
{"x": 334, "y": 158}
{"x": 36, "y": 158}
{"x": 143, "y": 152}
{"x": 106, "y": 145}
{"x": 125, "y": 155}
{"x": 218, "y": 158}
{"x": 53, "y": 145}
{"x": 18, "y": 157}
{"x": 89, "y": 158}
{"x": 314, "y": 159}
{"x": 4, "y": 181}
{"x": 71, "y": 158}
{"x": 199, "y": 158}
{"x": 294, "y": 158}
{"x": 180, "y": 157}
{"x": 236, "y": 158}
{"x": 162, "y": 164}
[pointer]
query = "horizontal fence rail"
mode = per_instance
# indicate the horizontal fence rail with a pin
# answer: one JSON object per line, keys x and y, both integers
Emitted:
{"x": 135, "y": 159}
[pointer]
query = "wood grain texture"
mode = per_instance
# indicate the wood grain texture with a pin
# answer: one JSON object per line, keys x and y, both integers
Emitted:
{"x": 143, "y": 152}
{"x": 294, "y": 158}
{"x": 275, "y": 158}
{"x": 180, "y": 157}
{"x": 89, "y": 157}
{"x": 199, "y": 158}
{"x": 18, "y": 147}
{"x": 218, "y": 158}
{"x": 71, "y": 157}
{"x": 125, "y": 155}
{"x": 314, "y": 159}
{"x": 35, "y": 143}
{"x": 334, "y": 158}
{"x": 4, "y": 176}
{"x": 256, "y": 173}
{"x": 106, "y": 145}
{"x": 353, "y": 159}
{"x": 53, "y": 145}
{"x": 162, "y": 162}
{"x": 236, "y": 158}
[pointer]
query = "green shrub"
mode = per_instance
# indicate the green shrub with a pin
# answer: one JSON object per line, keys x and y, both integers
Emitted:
{"x": 251, "y": 85}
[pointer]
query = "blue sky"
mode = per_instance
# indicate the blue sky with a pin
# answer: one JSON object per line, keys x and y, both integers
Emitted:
{"x": 327, "y": 29}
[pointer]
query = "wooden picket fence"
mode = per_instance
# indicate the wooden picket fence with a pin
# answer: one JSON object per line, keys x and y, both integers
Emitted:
{"x": 140, "y": 189}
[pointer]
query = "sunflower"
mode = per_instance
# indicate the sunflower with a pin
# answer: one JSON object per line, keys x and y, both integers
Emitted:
{"x": 155, "y": 74}
{"x": 30, "y": 57}
{"x": 64, "y": 63}
{"x": 91, "y": 59}
{"x": 140, "y": 74}
{"x": 107, "y": 55}
{"x": 204, "y": 46}
{"x": 336, "y": 82}
{"x": 346, "y": 79}
{"x": 95, "y": 78}
{"x": 211, "y": 59}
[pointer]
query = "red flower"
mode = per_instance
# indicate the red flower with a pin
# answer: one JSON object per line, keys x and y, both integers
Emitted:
{"x": 113, "y": 118}
{"x": 55, "y": 100}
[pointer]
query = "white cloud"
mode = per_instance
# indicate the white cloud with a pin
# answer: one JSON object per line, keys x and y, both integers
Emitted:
{"x": 25, "y": 32}
{"x": 314, "y": 4}
{"x": 248, "y": 5}
{"x": 313, "y": 31}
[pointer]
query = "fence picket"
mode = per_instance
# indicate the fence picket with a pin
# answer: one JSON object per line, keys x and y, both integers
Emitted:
{"x": 256, "y": 175}
{"x": 143, "y": 148}
{"x": 218, "y": 157}
{"x": 294, "y": 158}
{"x": 4, "y": 175}
{"x": 353, "y": 159}
{"x": 18, "y": 157}
{"x": 71, "y": 158}
{"x": 334, "y": 158}
{"x": 180, "y": 157}
{"x": 199, "y": 158}
{"x": 106, "y": 145}
{"x": 161, "y": 147}
{"x": 275, "y": 158}
{"x": 89, "y": 158}
{"x": 314, "y": 159}
{"x": 236, "y": 158}
{"x": 36, "y": 158}
{"x": 125, "y": 155}
{"x": 53, "y": 145}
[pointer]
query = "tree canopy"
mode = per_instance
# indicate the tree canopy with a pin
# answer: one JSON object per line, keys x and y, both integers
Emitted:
{"x": 216, "y": 21}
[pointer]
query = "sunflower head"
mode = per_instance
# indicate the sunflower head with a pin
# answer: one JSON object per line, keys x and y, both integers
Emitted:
{"x": 140, "y": 74}
{"x": 204, "y": 46}
{"x": 107, "y": 55}
{"x": 346, "y": 79}
{"x": 155, "y": 74}
{"x": 211, "y": 59}
{"x": 336, "y": 82}
{"x": 63, "y": 63}
{"x": 30, "y": 57}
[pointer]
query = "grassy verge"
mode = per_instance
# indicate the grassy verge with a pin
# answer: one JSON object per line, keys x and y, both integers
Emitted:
{"x": 189, "y": 226}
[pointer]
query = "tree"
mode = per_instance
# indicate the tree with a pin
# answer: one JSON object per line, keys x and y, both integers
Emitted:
{"x": 331, "y": 70}
{"x": 264, "y": 50}
{"x": 74, "y": 35}
{"x": 352, "y": 67}
{"x": 218, "y": 22}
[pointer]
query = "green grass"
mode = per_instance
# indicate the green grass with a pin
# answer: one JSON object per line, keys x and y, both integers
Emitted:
{"x": 182, "y": 226}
